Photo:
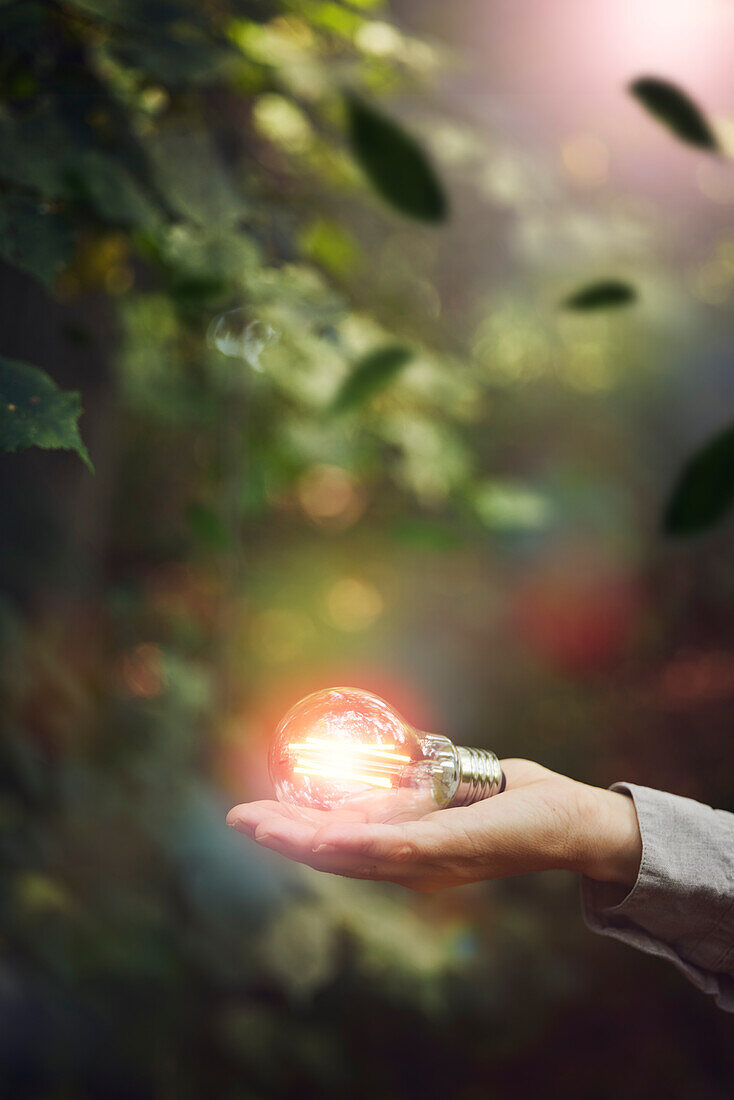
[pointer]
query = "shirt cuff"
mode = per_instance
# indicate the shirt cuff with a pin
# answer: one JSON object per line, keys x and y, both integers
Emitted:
{"x": 681, "y": 906}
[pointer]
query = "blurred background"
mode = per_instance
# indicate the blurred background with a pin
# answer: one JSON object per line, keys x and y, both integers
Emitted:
{"x": 326, "y": 279}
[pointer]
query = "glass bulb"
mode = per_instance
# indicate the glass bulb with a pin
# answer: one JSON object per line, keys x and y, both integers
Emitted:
{"x": 343, "y": 748}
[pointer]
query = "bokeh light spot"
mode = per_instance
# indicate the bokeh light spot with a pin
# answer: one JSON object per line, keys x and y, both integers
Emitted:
{"x": 587, "y": 368}
{"x": 715, "y": 181}
{"x": 379, "y": 39}
{"x": 119, "y": 278}
{"x": 711, "y": 282}
{"x": 330, "y": 496}
{"x": 509, "y": 505}
{"x": 585, "y": 160}
{"x": 353, "y": 605}
{"x": 692, "y": 678}
{"x": 282, "y": 122}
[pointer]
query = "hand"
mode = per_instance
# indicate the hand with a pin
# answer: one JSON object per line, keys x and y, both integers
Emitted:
{"x": 542, "y": 821}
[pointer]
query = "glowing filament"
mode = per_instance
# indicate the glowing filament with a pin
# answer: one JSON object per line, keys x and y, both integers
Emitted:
{"x": 376, "y": 765}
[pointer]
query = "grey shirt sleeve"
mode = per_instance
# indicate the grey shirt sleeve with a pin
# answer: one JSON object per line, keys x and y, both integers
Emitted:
{"x": 681, "y": 907}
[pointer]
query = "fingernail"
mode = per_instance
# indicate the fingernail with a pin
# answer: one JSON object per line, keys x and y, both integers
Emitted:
{"x": 322, "y": 847}
{"x": 259, "y": 837}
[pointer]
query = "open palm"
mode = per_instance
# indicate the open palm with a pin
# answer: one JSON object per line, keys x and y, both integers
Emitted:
{"x": 541, "y": 821}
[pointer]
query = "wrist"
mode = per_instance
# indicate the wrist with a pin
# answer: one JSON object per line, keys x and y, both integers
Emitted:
{"x": 612, "y": 847}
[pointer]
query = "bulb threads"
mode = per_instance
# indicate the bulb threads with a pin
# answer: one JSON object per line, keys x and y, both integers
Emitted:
{"x": 480, "y": 776}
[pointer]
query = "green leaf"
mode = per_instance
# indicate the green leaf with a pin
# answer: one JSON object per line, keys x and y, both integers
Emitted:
{"x": 395, "y": 163}
{"x": 34, "y": 412}
{"x": 176, "y": 59}
{"x": 705, "y": 488}
{"x": 33, "y": 238}
{"x": 199, "y": 290}
{"x": 109, "y": 189}
{"x": 606, "y": 294}
{"x": 371, "y": 374}
{"x": 48, "y": 153}
{"x": 676, "y": 110}
{"x": 35, "y": 153}
{"x": 147, "y": 16}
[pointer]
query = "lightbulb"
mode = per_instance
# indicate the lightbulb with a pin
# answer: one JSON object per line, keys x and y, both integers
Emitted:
{"x": 346, "y": 748}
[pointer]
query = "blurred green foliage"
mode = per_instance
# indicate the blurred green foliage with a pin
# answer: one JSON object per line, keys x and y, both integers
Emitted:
{"x": 112, "y": 176}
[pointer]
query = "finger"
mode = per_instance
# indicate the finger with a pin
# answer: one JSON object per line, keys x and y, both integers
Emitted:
{"x": 334, "y": 863}
{"x": 408, "y": 846}
{"x": 247, "y": 816}
{"x": 293, "y": 838}
{"x": 299, "y": 842}
{"x": 272, "y": 826}
{"x": 382, "y": 842}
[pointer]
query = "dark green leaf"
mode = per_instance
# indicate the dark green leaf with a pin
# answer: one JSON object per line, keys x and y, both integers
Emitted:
{"x": 142, "y": 15}
{"x": 676, "y": 110}
{"x": 606, "y": 294}
{"x": 110, "y": 190}
{"x": 395, "y": 163}
{"x": 198, "y": 290}
{"x": 34, "y": 238}
{"x": 371, "y": 374}
{"x": 34, "y": 412}
{"x": 50, "y": 154}
{"x": 98, "y": 120}
{"x": 705, "y": 488}
{"x": 172, "y": 60}
{"x": 35, "y": 153}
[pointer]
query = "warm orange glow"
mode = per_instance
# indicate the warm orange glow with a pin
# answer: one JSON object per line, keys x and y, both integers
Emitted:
{"x": 353, "y": 777}
{"x": 377, "y": 765}
{"x": 381, "y": 749}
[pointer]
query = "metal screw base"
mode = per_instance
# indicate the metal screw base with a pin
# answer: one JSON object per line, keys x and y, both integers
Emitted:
{"x": 480, "y": 776}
